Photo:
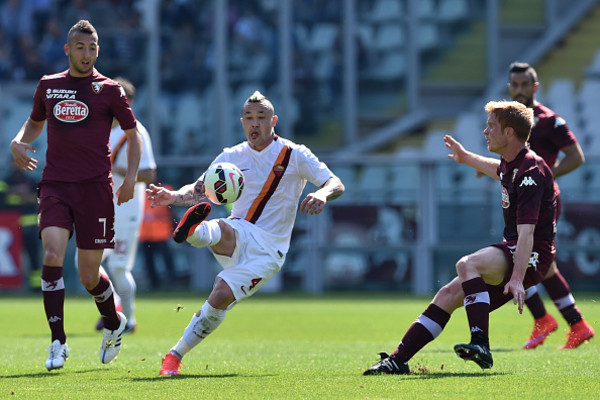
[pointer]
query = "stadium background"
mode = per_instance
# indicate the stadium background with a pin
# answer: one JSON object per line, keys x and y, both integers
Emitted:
{"x": 370, "y": 85}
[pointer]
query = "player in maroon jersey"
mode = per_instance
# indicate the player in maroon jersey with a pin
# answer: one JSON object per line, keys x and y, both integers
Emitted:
{"x": 76, "y": 186}
{"x": 490, "y": 277}
{"x": 550, "y": 136}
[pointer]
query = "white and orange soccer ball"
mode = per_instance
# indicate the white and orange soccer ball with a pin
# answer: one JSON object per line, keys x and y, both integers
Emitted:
{"x": 223, "y": 183}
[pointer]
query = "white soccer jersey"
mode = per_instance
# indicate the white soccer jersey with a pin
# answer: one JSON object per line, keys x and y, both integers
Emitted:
{"x": 129, "y": 215}
{"x": 118, "y": 146}
{"x": 273, "y": 212}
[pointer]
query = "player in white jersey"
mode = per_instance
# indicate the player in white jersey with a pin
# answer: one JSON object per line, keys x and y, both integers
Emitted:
{"x": 252, "y": 243}
{"x": 128, "y": 216}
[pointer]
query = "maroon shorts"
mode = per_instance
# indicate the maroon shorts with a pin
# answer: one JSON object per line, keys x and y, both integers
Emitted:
{"x": 87, "y": 207}
{"x": 534, "y": 274}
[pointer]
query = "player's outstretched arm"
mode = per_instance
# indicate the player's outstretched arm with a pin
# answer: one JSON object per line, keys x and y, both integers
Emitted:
{"x": 487, "y": 165}
{"x": 20, "y": 144}
{"x": 187, "y": 196}
{"x": 315, "y": 202}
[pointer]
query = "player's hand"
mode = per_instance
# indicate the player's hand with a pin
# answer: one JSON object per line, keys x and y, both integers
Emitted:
{"x": 518, "y": 292}
{"x": 458, "y": 151}
{"x": 125, "y": 192}
{"x": 313, "y": 203}
{"x": 22, "y": 159}
{"x": 159, "y": 195}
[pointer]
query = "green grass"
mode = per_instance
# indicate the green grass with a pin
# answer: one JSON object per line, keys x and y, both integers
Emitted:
{"x": 290, "y": 347}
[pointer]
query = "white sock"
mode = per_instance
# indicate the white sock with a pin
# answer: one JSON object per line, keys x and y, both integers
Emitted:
{"x": 530, "y": 292}
{"x": 125, "y": 287}
{"x": 208, "y": 233}
{"x": 199, "y": 328}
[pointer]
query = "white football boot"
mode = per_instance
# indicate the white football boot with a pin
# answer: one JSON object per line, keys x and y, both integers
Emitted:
{"x": 111, "y": 341}
{"x": 57, "y": 355}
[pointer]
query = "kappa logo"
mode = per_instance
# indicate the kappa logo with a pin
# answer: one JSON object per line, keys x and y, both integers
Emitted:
{"x": 54, "y": 319}
{"x": 534, "y": 259}
{"x": 97, "y": 87}
{"x": 51, "y": 285}
{"x": 528, "y": 181}
{"x": 558, "y": 121}
{"x": 470, "y": 299}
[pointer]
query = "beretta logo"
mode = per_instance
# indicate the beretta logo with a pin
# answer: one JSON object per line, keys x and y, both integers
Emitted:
{"x": 71, "y": 111}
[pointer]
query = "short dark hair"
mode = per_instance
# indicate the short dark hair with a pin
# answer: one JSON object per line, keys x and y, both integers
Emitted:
{"x": 514, "y": 115}
{"x": 127, "y": 86}
{"x": 520, "y": 67}
{"x": 83, "y": 26}
{"x": 258, "y": 97}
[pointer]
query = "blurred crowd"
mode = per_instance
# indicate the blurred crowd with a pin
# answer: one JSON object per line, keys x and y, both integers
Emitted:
{"x": 33, "y": 33}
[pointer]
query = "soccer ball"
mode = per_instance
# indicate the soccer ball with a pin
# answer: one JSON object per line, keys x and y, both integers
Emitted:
{"x": 223, "y": 183}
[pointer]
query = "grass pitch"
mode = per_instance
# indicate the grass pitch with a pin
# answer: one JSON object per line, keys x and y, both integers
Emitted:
{"x": 290, "y": 347}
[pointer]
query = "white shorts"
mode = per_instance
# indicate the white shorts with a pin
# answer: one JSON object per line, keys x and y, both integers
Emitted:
{"x": 128, "y": 219}
{"x": 251, "y": 265}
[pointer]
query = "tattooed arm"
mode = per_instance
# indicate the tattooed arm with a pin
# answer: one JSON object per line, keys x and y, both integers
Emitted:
{"x": 187, "y": 196}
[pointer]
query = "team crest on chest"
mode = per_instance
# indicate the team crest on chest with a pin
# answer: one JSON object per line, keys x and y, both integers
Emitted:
{"x": 278, "y": 170}
{"x": 97, "y": 87}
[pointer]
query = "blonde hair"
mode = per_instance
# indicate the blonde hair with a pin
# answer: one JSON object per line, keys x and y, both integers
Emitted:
{"x": 514, "y": 115}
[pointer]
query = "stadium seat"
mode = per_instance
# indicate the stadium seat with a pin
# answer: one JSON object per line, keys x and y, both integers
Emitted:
{"x": 571, "y": 183}
{"x": 590, "y": 91}
{"x": 385, "y": 10}
{"x": 366, "y": 33}
{"x": 390, "y": 66}
{"x": 322, "y": 37}
{"x": 434, "y": 146}
{"x": 469, "y": 128}
{"x": 426, "y": 9}
{"x": 453, "y": 10}
{"x": 593, "y": 70}
{"x": 389, "y": 36}
{"x": 404, "y": 182}
{"x": 428, "y": 36}
{"x": 562, "y": 89}
{"x": 373, "y": 183}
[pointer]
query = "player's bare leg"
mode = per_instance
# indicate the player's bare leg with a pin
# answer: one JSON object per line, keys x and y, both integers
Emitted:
{"x": 203, "y": 323}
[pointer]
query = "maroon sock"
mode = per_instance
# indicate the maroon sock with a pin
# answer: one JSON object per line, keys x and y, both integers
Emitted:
{"x": 536, "y": 305}
{"x": 53, "y": 293}
{"x": 560, "y": 293}
{"x": 477, "y": 306}
{"x": 426, "y": 328}
{"x": 105, "y": 301}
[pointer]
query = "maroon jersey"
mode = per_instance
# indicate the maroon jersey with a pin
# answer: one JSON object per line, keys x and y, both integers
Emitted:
{"x": 528, "y": 197}
{"x": 549, "y": 134}
{"x": 79, "y": 112}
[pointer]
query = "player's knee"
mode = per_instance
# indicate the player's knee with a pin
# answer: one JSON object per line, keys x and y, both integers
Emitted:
{"x": 463, "y": 266}
{"x": 221, "y": 296}
{"x": 88, "y": 279}
{"x": 51, "y": 257}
